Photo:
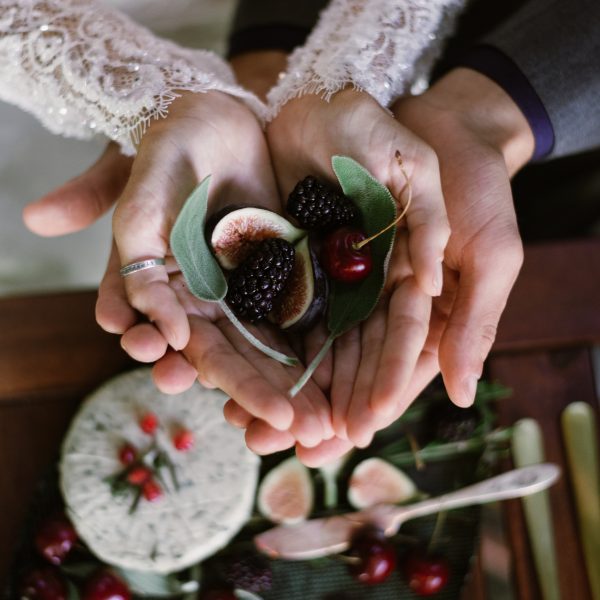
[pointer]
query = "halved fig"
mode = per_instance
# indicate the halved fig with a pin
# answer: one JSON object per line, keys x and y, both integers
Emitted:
{"x": 304, "y": 298}
{"x": 375, "y": 481}
{"x": 236, "y": 234}
{"x": 286, "y": 493}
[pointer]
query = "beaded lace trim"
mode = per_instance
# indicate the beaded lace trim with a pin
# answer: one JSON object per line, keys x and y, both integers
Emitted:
{"x": 384, "y": 47}
{"x": 83, "y": 69}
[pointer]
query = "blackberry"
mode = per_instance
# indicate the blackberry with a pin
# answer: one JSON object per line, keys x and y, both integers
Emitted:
{"x": 317, "y": 206}
{"x": 249, "y": 572}
{"x": 255, "y": 283}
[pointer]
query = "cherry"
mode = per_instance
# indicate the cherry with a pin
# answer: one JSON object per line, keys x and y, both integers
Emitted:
{"x": 55, "y": 538}
{"x": 139, "y": 475}
{"x": 44, "y": 583}
{"x": 376, "y": 556}
{"x": 127, "y": 454}
{"x": 426, "y": 575}
{"x": 105, "y": 585}
{"x": 151, "y": 490}
{"x": 149, "y": 423}
{"x": 341, "y": 260}
{"x": 183, "y": 440}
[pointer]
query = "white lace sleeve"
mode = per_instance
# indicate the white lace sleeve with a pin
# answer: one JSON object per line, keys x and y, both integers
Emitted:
{"x": 384, "y": 47}
{"x": 83, "y": 68}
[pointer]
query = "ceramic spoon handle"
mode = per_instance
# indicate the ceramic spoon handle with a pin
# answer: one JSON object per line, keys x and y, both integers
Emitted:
{"x": 513, "y": 484}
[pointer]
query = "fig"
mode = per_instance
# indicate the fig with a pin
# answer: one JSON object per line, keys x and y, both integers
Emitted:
{"x": 286, "y": 493}
{"x": 304, "y": 298}
{"x": 375, "y": 481}
{"x": 237, "y": 233}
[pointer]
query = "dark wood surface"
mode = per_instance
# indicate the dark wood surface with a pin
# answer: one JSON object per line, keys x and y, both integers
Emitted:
{"x": 52, "y": 353}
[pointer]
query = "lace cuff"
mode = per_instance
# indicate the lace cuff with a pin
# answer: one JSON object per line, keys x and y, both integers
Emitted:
{"x": 384, "y": 47}
{"x": 85, "y": 69}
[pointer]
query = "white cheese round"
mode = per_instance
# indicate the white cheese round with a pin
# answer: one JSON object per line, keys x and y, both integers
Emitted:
{"x": 217, "y": 476}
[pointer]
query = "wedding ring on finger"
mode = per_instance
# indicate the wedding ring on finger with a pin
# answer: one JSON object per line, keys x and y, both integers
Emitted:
{"x": 141, "y": 265}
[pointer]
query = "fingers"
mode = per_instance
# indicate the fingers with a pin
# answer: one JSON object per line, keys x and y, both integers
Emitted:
{"x": 142, "y": 223}
{"x": 216, "y": 360}
{"x": 83, "y": 200}
{"x": 262, "y": 439}
{"x": 235, "y": 415}
{"x": 485, "y": 283}
{"x": 426, "y": 218}
{"x": 324, "y": 453}
{"x": 113, "y": 312}
{"x": 173, "y": 374}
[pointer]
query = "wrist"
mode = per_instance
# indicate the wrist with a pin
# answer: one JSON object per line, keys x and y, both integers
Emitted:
{"x": 486, "y": 110}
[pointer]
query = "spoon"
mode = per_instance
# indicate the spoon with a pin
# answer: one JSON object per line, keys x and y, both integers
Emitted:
{"x": 320, "y": 537}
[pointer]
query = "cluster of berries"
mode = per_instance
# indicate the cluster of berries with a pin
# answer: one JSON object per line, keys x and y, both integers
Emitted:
{"x": 54, "y": 541}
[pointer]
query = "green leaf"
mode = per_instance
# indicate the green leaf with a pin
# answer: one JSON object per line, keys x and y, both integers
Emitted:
{"x": 350, "y": 304}
{"x": 155, "y": 585}
{"x": 197, "y": 263}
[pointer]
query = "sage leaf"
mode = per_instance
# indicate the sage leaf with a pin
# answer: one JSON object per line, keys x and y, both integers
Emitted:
{"x": 349, "y": 304}
{"x": 200, "y": 269}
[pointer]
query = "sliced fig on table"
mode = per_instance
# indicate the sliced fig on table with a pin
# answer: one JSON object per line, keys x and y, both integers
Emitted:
{"x": 304, "y": 298}
{"x": 376, "y": 481}
{"x": 286, "y": 493}
{"x": 236, "y": 234}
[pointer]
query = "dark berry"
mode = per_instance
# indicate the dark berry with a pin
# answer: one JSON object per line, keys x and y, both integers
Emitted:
{"x": 151, "y": 490}
{"x": 452, "y": 423}
{"x": 341, "y": 260}
{"x": 317, "y": 206}
{"x": 249, "y": 572}
{"x": 105, "y": 585}
{"x": 254, "y": 285}
{"x": 183, "y": 440}
{"x": 55, "y": 538}
{"x": 426, "y": 575}
{"x": 149, "y": 423}
{"x": 139, "y": 475}
{"x": 375, "y": 557}
{"x": 127, "y": 454}
{"x": 43, "y": 583}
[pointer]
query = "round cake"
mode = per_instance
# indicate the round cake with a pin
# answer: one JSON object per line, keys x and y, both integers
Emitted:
{"x": 206, "y": 477}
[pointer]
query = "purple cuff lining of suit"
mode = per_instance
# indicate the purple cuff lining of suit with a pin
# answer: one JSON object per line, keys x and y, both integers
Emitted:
{"x": 496, "y": 65}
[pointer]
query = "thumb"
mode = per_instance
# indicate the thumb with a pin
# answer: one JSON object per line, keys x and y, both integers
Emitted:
{"x": 80, "y": 202}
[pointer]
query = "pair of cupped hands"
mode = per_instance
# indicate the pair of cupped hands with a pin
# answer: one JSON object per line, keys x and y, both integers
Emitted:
{"x": 454, "y": 261}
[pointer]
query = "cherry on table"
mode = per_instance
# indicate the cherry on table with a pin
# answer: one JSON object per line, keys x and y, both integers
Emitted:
{"x": 376, "y": 557}
{"x": 139, "y": 475}
{"x": 43, "y": 583}
{"x": 105, "y": 585}
{"x": 426, "y": 575}
{"x": 341, "y": 260}
{"x": 55, "y": 538}
{"x": 183, "y": 440}
{"x": 148, "y": 423}
{"x": 151, "y": 490}
{"x": 127, "y": 454}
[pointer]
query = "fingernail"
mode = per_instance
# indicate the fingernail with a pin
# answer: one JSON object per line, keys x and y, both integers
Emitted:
{"x": 470, "y": 388}
{"x": 438, "y": 278}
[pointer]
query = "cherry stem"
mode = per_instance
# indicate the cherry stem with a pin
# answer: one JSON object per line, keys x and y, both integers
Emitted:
{"x": 312, "y": 367}
{"x": 440, "y": 521}
{"x": 359, "y": 245}
{"x": 415, "y": 449}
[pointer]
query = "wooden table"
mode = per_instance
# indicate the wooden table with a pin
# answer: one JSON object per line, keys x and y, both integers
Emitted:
{"x": 52, "y": 353}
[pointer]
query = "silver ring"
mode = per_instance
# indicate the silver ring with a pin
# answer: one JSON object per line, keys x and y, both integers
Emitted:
{"x": 142, "y": 265}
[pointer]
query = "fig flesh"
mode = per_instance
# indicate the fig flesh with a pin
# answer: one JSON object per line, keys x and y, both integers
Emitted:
{"x": 375, "y": 481}
{"x": 286, "y": 493}
{"x": 235, "y": 235}
{"x": 304, "y": 298}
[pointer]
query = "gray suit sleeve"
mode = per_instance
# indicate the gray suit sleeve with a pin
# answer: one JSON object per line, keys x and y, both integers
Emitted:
{"x": 272, "y": 24}
{"x": 556, "y": 45}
